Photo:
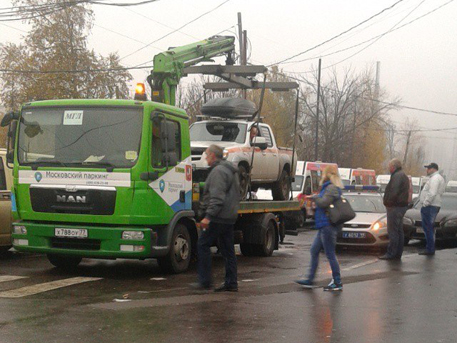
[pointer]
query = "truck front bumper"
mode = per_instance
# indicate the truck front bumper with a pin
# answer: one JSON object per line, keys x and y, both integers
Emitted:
{"x": 101, "y": 241}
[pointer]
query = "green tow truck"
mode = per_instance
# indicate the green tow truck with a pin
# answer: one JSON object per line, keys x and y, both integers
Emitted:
{"x": 113, "y": 178}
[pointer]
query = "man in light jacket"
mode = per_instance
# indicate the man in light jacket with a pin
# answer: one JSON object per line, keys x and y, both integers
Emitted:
{"x": 431, "y": 203}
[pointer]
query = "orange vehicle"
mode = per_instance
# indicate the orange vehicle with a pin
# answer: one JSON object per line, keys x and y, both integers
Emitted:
{"x": 365, "y": 177}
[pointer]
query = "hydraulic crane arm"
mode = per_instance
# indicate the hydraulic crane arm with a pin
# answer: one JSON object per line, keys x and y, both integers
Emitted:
{"x": 169, "y": 65}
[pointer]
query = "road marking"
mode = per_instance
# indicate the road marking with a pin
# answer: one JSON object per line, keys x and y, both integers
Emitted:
{"x": 6, "y": 278}
{"x": 45, "y": 287}
{"x": 355, "y": 266}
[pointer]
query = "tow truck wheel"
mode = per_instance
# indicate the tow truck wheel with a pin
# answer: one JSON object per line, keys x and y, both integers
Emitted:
{"x": 246, "y": 249}
{"x": 244, "y": 181}
{"x": 281, "y": 189}
{"x": 178, "y": 258}
{"x": 64, "y": 262}
{"x": 266, "y": 249}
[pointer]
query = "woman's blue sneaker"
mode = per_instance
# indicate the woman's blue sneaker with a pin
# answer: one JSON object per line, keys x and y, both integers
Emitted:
{"x": 332, "y": 286}
{"x": 305, "y": 283}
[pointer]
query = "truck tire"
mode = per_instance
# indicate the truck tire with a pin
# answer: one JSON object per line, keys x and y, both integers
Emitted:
{"x": 266, "y": 249}
{"x": 244, "y": 181}
{"x": 246, "y": 249}
{"x": 64, "y": 262}
{"x": 281, "y": 188}
{"x": 178, "y": 258}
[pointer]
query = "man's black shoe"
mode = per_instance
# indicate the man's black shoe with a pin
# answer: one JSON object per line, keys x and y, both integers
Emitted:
{"x": 225, "y": 288}
{"x": 426, "y": 252}
{"x": 388, "y": 258}
{"x": 197, "y": 286}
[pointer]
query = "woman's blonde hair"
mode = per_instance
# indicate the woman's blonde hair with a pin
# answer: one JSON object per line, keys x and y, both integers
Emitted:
{"x": 331, "y": 174}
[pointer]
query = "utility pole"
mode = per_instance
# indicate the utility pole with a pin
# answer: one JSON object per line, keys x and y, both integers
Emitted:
{"x": 242, "y": 34}
{"x": 407, "y": 147}
{"x": 378, "y": 71}
{"x": 317, "y": 111}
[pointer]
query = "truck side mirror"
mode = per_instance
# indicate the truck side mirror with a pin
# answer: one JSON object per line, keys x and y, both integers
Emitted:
{"x": 8, "y": 118}
{"x": 259, "y": 142}
{"x": 11, "y": 138}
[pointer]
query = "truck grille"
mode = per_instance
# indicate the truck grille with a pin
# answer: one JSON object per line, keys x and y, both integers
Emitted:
{"x": 75, "y": 243}
{"x": 83, "y": 201}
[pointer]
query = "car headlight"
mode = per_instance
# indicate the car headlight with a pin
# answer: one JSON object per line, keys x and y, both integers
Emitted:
{"x": 378, "y": 225}
{"x": 133, "y": 235}
{"x": 225, "y": 154}
{"x": 19, "y": 230}
{"x": 451, "y": 222}
{"x": 408, "y": 221}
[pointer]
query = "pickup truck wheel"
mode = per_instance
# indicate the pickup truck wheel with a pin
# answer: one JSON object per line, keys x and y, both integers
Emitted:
{"x": 281, "y": 189}
{"x": 178, "y": 258}
{"x": 64, "y": 262}
{"x": 244, "y": 181}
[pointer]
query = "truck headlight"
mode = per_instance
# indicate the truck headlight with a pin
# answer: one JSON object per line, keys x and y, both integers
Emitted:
{"x": 133, "y": 235}
{"x": 378, "y": 225}
{"x": 225, "y": 154}
{"x": 451, "y": 223}
{"x": 19, "y": 230}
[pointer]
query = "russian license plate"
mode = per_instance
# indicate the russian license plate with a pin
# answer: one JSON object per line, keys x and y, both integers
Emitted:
{"x": 71, "y": 233}
{"x": 419, "y": 230}
{"x": 354, "y": 235}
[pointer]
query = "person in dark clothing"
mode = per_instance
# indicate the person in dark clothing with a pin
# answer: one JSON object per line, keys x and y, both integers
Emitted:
{"x": 396, "y": 201}
{"x": 219, "y": 210}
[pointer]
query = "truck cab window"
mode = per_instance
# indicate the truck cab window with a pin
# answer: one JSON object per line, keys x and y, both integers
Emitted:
{"x": 165, "y": 151}
{"x": 265, "y": 132}
{"x": 2, "y": 176}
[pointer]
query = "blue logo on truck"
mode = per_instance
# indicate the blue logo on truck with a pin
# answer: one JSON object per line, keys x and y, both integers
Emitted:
{"x": 38, "y": 176}
{"x": 162, "y": 185}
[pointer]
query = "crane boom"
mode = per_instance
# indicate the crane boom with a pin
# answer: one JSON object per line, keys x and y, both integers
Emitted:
{"x": 169, "y": 65}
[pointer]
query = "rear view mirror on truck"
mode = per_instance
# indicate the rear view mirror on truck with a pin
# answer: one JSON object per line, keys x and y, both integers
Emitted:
{"x": 8, "y": 118}
{"x": 260, "y": 142}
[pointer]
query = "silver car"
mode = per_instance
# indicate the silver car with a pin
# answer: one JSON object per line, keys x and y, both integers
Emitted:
{"x": 369, "y": 227}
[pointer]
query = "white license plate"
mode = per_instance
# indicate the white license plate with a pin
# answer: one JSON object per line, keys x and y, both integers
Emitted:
{"x": 419, "y": 230}
{"x": 354, "y": 235}
{"x": 72, "y": 233}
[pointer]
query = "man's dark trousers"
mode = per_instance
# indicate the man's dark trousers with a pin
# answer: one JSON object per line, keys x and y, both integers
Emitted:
{"x": 428, "y": 214}
{"x": 223, "y": 232}
{"x": 395, "y": 230}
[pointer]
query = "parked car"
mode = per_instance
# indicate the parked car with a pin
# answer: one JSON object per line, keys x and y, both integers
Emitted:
{"x": 369, "y": 227}
{"x": 6, "y": 180}
{"x": 451, "y": 187}
{"x": 445, "y": 222}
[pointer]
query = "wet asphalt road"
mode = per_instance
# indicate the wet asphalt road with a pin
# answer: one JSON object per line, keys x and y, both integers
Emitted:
{"x": 132, "y": 301}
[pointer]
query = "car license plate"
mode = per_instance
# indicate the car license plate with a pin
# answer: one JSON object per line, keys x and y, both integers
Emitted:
{"x": 419, "y": 230}
{"x": 354, "y": 235}
{"x": 71, "y": 233}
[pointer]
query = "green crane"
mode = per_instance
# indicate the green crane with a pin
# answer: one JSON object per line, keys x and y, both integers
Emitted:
{"x": 169, "y": 65}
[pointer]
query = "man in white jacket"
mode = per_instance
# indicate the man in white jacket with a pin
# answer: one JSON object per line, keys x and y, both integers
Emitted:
{"x": 431, "y": 203}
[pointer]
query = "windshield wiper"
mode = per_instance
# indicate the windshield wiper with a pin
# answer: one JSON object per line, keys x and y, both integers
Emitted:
{"x": 37, "y": 164}
{"x": 109, "y": 166}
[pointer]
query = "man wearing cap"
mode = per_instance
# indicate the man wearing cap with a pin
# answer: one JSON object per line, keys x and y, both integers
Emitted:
{"x": 431, "y": 202}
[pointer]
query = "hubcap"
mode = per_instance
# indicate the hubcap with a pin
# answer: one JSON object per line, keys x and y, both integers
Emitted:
{"x": 181, "y": 248}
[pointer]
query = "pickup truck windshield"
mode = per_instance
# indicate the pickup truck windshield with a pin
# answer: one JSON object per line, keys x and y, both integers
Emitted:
{"x": 218, "y": 132}
{"x": 106, "y": 137}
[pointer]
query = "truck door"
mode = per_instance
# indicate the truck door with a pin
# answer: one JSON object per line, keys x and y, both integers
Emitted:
{"x": 270, "y": 156}
{"x": 5, "y": 205}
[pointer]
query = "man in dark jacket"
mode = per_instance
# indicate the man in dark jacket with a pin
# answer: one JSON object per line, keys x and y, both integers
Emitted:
{"x": 219, "y": 210}
{"x": 396, "y": 201}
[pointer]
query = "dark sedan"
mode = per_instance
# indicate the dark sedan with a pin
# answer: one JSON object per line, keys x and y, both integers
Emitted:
{"x": 445, "y": 222}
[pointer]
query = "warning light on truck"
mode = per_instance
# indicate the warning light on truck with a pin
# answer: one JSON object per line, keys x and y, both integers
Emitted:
{"x": 140, "y": 92}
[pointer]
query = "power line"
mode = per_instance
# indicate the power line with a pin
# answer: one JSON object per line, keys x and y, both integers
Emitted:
{"x": 369, "y": 40}
{"x": 338, "y": 35}
{"x": 175, "y": 30}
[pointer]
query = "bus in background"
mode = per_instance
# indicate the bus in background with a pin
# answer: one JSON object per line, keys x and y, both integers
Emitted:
{"x": 365, "y": 177}
{"x": 345, "y": 175}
